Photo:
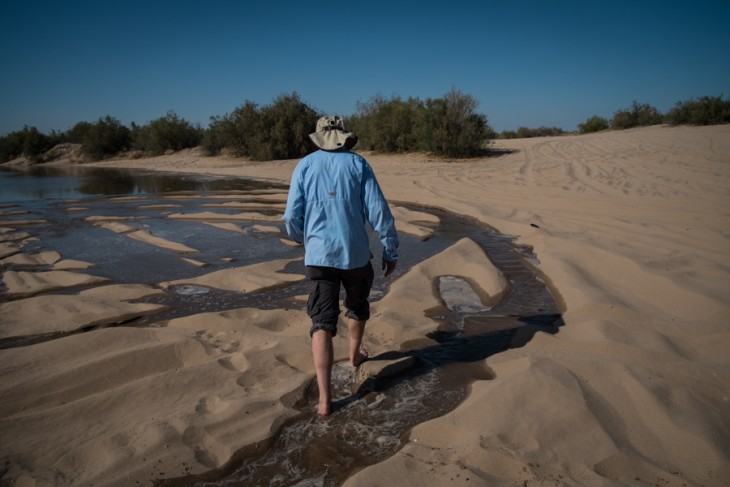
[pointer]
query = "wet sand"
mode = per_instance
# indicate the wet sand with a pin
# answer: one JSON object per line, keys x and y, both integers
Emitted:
{"x": 629, "y": 228}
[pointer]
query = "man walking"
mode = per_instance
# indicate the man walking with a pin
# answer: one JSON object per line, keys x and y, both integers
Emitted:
{"x": 333, "y": 193}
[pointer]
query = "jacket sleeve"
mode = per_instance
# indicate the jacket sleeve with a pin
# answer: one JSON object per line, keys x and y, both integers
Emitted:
{"x": 378, "y": 214}
{"x": 295, "y": 205}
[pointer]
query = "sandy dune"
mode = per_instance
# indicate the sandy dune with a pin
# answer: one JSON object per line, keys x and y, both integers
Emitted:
{"x": 252, "y": 278}
{"x": 21, "y": 282}
{"x": 631, "y": 231}
{"x": 63, "y": 313}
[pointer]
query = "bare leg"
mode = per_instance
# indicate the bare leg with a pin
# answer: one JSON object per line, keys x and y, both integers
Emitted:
{"x": 355, "y": 330}
{"x": 323, "y": 356}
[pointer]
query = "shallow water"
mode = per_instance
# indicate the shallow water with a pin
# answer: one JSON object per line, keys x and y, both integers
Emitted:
{"x": 373, "y": 422}
{"x": 43, "y": 184}
{"x": 368, "y": 424}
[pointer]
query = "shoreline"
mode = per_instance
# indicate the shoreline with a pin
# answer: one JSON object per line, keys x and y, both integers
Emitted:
{"x": 630, "y": 229}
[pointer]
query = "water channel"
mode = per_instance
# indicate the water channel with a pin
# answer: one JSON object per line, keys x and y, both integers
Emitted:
{"x": 370, "y": 423}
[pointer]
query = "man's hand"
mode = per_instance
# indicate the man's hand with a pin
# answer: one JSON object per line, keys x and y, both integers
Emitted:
{"x": 388, "y": 266}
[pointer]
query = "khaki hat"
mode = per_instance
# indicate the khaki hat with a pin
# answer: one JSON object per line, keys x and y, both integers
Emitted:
{"x": 331, "y": 135}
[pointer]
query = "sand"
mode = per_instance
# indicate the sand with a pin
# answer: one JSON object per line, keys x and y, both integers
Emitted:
{"x": 631, "y": 232}
{"x": 246, "y": 279}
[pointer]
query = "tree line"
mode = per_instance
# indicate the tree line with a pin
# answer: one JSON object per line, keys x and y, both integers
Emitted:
{"x": 447, "y": 126}
{"x": 706, "y": 110}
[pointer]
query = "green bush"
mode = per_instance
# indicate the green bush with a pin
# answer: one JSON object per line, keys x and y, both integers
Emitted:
{"x": 593, "y": 124}
{"x": 457, "y": 130}
{"x": 386, "y": 125}
{"x": 446, "y": 126}
{"x": 11, "y": 146}
{"x": 28, "y": 142}
{"x": 76, "y": 134}
{"x": 639, "y": 115}
{"x": 233, "y": 132}
{"x": 276, "y": 131}
{"x": 428, "y": 132}
{"x": 707, "y": 110}
{"x": 526, "y": 133}
{"x": 283, "y": 129}
{"x": 35, "y": 144}
{"x": 214, "y": 138}
{"x": 165, "y": 133}
{"x": 104, "y": 138}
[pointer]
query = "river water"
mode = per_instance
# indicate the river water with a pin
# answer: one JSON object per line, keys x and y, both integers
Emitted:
{"x": 370, "y": 423}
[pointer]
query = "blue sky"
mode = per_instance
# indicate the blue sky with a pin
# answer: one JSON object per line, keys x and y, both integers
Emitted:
{"x": 528, "y": 63}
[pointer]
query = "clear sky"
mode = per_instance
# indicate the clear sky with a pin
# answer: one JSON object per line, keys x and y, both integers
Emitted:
{"x": 528, "y": 63}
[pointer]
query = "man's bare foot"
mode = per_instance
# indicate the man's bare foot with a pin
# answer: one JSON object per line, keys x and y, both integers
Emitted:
{"x": 361, "y": 356}
{"x": 324, "y": 409}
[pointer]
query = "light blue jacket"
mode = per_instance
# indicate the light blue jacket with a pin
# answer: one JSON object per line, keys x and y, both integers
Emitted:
{"x": 331, "y": 196}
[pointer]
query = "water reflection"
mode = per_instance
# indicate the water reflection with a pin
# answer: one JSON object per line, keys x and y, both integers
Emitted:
{"x": 67, "y": 182}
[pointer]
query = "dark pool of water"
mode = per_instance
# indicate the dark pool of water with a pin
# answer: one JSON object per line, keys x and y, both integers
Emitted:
{"x": 43, "y": 184}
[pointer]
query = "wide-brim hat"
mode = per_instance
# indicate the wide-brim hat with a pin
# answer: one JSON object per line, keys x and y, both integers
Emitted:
{"x": 331, "y": 134}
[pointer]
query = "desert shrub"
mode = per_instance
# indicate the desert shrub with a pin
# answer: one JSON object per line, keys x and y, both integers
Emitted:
{"x": 29, "y": 142}
{"x": 283, "y": 129}
{"x": 377, "y": 125}
{"x": 276, "y": 131}
{"x": 105, "y": 137}
{"x": 446, "y": 126}
{"x": 165, "y": 133}
{"x": 11, "y": 146}
{"x": 593, "y": 124}
{"x": 427, "y": 125}
{"x": 234, "y": 131}
{"x": 215, "y": 136}
{"x": 622, "y": 119}
{"x": 76, "y": 134}
{"x": 543, "y": 131}
{"x": 356, "y": 123}
{"x": 139, "y": 136}
{"x": 458, "y": 130}
{"x": 35, "y": 144}
{"x": 526, "y": 133}
{"x": 385, "y": 125}
{"x": 707, "y": 110}
{"x": 639, "y": 115}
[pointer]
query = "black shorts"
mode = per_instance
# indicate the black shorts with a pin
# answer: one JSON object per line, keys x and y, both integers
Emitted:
{"x": 323, "y": 306}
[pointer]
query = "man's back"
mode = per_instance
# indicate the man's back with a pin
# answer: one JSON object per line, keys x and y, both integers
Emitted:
{"x": 334, "y": 193}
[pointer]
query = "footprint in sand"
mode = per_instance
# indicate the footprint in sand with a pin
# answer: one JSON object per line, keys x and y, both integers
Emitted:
{"x": 236, "y": 362}
{"x": 218, "y": 343}
{"x": 212, "y": 405}
{"x": 255, "y": 380}
{"x": 208, "y": 450}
